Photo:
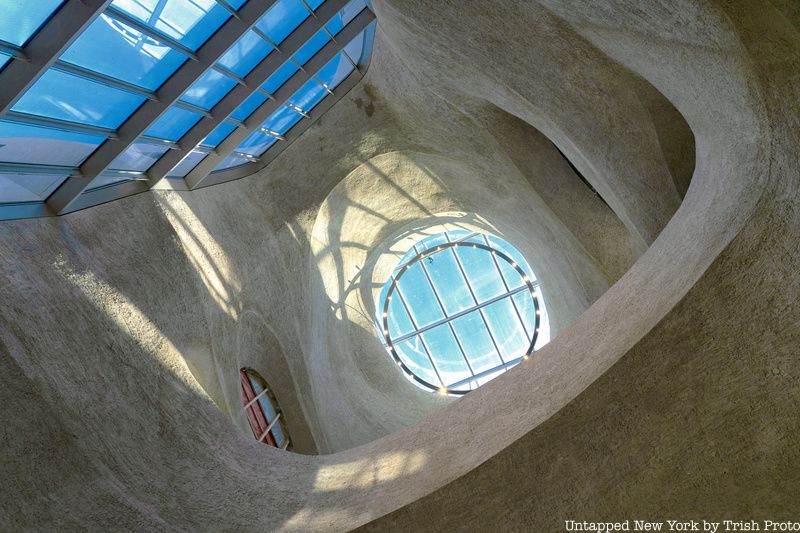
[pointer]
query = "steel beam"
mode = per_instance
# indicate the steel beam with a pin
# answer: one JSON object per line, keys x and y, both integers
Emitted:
{"x": 43, "y": 50}
{"x": 197, "y": 175}
{"x": 241, "y": 92}
{"x": 151, "y": 110}
{"x": 58, "y": 124}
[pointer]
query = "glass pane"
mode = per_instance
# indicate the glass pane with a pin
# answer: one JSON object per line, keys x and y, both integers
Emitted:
{"x": 256, "y": 143}
{"x": 311, "y": 47}
{"x": 506, "y": 329}
{"x": 279, "y": 77}
{"x": 209, "y": 89}
{"x": 66, "y": 97}
{"x": 335, "y": 71}
{"x": 446, "y": 354}
{"x": 114, "y": 49}
{"x": 106, "y": 179}
{"x": 138, "y": 157}
{"x": 190, "y": 22}
{"x": 27, "y": 187}
{"x": 526, "y": 311}
{"x": 481, "y": 272}
{"x": 219, "y": 134}
{"x": 345, "y": 15}
{"x": 282, "y": 119}
{"x": 419, "y": 296}
{"x": 21, "y": 143}
{"x": 232, "y": 161}
{"x": 477, "y": 343}
{"x": 20, "y": 20}
{"x": 413, "y": 354}
{"x": 248, "y": 106}
{"x": 399, "y": 321}
{"x": 308, "y": 96}
{"x": 282, "y": 19}
{"x": 449, "y": 282}
{"x": 243, "y": 56}
{"x": 511, "y": 276}
{"x": 187, "y": 164}
{"x": 173, "y": 124}
{"x": 355, "y": 48}
{"x": 4, "y": 58}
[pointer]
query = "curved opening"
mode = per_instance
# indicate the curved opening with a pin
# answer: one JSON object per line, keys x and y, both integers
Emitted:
{"x": 459, "y": 309}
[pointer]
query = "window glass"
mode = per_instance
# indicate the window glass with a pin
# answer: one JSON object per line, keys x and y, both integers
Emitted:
{"x": 20, "y": 20}
{"x": 66, "y": 97}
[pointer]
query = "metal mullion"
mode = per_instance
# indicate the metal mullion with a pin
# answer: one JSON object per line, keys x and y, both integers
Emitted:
{"x": 421, "y": 339}
{"x": 231, "y": 101}
{"x": 270, "y": 426}
{"x": 13, "y": 50}
{"x": 480, "y": 310}
{"x": 285, "y": 443}
{"x": 229, "y": 73}
{"x": 170, "y": 91}
{"x": 485, "y": 373}
{"x": 138, "y": 25}
{"x": 448, "y": 320}
{"x": 505, "y": 284}
{"x": 293, "y": 134}
{"x": 229, "y": 8}
{"x": 103, "y": 79}
{"x": 467, "y": 311}
{"x": 193, "y": 108}
{"x": 58, "y": 124}
{"x": 55, "y": 36}
{"x": 31, "y": 168}
{"x": 256, "y": 397}
{"x": 196, "y": 176}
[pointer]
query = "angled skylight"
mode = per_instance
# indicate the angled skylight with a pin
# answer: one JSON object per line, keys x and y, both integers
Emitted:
{"x": 182, "y": 90}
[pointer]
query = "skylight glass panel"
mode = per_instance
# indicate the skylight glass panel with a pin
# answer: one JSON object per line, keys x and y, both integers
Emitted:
{"x": 248, "y": 52}
{"x": 22, "y": 143}
{"x": 209, "y": 89}
{"x": 103, "y": 180}
{"x": 117, "y": 50}
{"x": 139, "y": 156}
{"x": 355, "y": 48}
{"x": 256, "y": 143}
{"x": 4, "y": 58}
{"x": 188, "y": 163}
{"x": 279, "y": 77}
{"x": 63, "y": 96}
{"x": 173, "y": 124}
{"x": 219, "y": 134}
{"x": 190, "y": 22}
{"x": 345, "y": 15}
{"x": 19, "y": 20}
{"x": 27, "y": 187}
{"x": 282, "y": 19}
{"x": 248, "y": 106}
{"x": 335, "y": 71}
{"x": 308, "y": 96}
{"x": 469, "y": 338}
{"x": 311, "y": 47}
{"x": 281, "y": 120}
{"x": 231, "y": 161}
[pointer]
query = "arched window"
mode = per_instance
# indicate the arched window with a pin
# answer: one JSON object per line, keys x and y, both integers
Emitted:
{"x": 460, "y": 309}
{"x": 263, "y": 411}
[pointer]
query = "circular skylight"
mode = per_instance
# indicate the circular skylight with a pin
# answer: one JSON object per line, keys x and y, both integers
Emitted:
{"x": 460, "y": 309}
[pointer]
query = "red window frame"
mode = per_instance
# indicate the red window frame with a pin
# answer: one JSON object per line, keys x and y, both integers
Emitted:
{"x": 255, "y": 414}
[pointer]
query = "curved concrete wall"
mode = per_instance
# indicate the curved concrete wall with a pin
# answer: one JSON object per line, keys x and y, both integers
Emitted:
{"x": 122, "y": 327}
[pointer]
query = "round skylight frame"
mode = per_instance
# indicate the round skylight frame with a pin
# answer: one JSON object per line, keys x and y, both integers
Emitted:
{"x": 451, "y": 389}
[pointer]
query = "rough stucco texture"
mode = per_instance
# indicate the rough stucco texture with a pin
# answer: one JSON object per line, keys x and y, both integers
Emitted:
{"x": 671, "y": 389}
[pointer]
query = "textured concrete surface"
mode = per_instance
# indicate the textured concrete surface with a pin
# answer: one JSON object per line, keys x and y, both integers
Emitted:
{"x": 672, "y": 387}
